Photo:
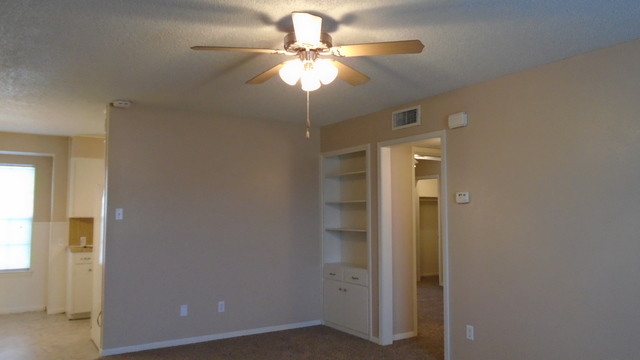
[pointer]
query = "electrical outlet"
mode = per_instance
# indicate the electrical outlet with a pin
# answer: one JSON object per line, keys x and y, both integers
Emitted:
{"x": 119, "y": 214}
{"x": 470, "y": 335}
{"x": 220, "y": 306}
{"x": 463, "y": 197}
{"x": 184, "y": 310}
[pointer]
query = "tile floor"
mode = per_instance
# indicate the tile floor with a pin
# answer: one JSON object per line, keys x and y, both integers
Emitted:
{"x": 38, "y": 336}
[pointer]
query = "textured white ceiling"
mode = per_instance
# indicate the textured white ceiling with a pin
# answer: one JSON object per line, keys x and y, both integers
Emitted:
{"x": 63, "y": 61}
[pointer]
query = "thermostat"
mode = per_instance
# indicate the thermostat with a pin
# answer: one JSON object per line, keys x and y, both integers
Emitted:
{"x": 457, "y": 120}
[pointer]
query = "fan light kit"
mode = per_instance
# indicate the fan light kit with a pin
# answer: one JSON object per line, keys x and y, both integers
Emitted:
{"x": 312, "y": 47}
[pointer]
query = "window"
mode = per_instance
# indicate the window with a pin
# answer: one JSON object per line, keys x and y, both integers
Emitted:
{"x": 17, "y": 184}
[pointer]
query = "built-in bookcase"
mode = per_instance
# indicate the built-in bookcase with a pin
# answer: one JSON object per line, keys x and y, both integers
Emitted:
{"x": 346, "y": 239}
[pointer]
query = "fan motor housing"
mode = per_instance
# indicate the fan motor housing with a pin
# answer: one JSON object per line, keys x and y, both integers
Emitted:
{"x": 291, "y": 45}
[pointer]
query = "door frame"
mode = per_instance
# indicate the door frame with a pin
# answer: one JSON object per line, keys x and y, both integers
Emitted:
{"x": 386, "y": 335}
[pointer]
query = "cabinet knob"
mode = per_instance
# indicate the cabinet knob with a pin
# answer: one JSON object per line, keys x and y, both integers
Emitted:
{"x": 355, "y": 278}
{"x": 332, "y": 274}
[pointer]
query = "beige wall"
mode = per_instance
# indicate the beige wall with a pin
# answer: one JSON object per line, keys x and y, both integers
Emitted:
{"x": 87, "y": 147}
{"x": 428, "y": 238}
{"x": 428, "y": 226}
{"x": 214, "y": 209}
{"x": 544, "y": 260}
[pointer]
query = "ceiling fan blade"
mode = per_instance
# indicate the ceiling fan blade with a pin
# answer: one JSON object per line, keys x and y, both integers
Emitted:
{"x": 350, "y": 75}
{"x": 381, "y": 48}
{"x": 307, "y": 28}
{"x": 239, "y": 49}
{"x": 262, "y": 77}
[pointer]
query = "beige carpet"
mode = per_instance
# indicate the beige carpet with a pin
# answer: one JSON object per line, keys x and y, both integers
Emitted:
{"x": 320, "y": 342}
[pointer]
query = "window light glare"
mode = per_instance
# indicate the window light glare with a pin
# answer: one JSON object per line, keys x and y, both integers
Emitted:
{"x": 17, "y": 184}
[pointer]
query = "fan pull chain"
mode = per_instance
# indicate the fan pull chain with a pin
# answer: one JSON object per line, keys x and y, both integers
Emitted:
{"x": 308, "y": 133}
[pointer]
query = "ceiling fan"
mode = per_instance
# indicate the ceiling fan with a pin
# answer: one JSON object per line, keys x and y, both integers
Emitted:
{"x": 314, "y": 51}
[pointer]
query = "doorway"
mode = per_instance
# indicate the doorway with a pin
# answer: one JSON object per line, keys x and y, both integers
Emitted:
{"x": 397, "y": 231}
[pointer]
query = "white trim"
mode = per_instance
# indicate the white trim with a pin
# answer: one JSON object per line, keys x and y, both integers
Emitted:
{"x": 385, "y": 249}
{"x": 415, "y": 211}
{"x": 364, "y": 147}
{"x": 406, "y": 335}
{"x": 346, "y": 330}
{"x": 386, "y": 256}
{"x": 22, "y": 309}
{"x": 369, "y": 247}
{"x": 428, "y": 177}
{"x": 16, "y": 273}
{"x": 54, "y": 311}
{"x": 444, "y": 238}
{"x": 198, "y": 339}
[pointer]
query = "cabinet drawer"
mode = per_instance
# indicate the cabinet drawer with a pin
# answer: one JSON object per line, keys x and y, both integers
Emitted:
{"x": 333, "y": 271}
{"x": 356, "y": 276}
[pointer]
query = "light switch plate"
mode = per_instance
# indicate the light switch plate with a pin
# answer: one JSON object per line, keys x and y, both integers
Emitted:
{"x": 463, "y": 197}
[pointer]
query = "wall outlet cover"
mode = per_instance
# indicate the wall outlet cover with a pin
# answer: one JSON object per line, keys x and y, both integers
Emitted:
{"x": 463, "y": 197}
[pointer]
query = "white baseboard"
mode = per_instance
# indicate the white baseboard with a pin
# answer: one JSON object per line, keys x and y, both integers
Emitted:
{"x": 198, "y": 339}
{"x": 347, "y": 330}
{"x": 403, "y": 336}
{"x": 54, "y": 311}
{"x": 18, "y": 310}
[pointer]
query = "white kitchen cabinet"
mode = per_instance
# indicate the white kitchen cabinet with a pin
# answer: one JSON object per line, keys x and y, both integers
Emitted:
{"x": 86, "y": 179}
{"x": 79, "y": 285}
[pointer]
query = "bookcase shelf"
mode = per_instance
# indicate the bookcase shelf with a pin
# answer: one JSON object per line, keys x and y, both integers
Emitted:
{"x": 346, "y": 240}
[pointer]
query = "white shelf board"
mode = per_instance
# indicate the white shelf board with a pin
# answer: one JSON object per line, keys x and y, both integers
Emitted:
{"x": 346, "y": 173}
{"x": 347, "y": 229}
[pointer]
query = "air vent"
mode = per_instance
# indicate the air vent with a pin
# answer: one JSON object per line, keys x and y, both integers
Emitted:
{"x": 405, "y": 118}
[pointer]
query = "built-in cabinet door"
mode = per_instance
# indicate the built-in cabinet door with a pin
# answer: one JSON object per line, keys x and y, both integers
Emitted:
{"x": 332, "y": 301}
{"x": 83, "y": 278}
{"x": 355, "y": 307}
{"x": 346, "y": 305}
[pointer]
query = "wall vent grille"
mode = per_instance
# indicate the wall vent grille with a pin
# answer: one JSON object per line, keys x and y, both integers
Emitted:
{"x": 405, "y": 118}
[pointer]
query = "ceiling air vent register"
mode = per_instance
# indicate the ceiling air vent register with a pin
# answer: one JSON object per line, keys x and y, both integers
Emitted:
{"x": 405, "y": 118}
